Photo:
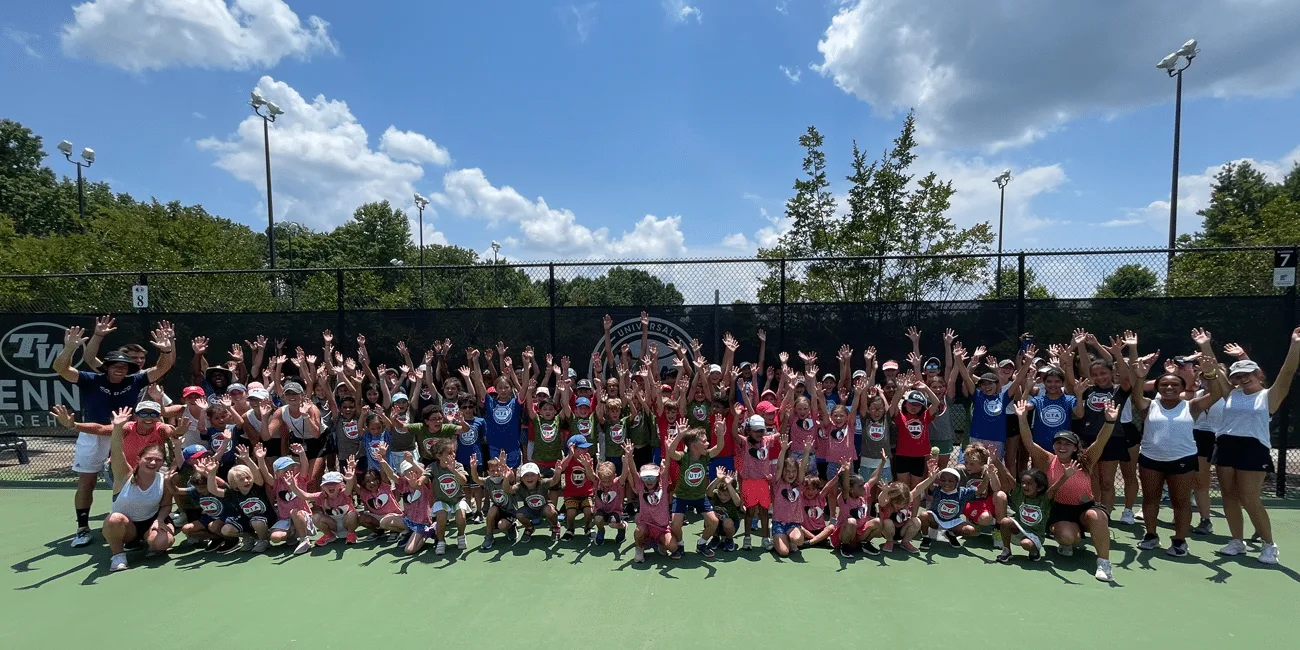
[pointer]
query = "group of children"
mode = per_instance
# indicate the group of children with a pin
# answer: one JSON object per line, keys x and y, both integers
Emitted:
{"x": 794, "y": 457}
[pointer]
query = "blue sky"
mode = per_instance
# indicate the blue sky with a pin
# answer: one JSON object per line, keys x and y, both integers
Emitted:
{"x": 655, "y": 128}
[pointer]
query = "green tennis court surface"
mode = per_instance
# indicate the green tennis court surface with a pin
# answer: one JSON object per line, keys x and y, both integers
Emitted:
{"x": 570, "y": 593}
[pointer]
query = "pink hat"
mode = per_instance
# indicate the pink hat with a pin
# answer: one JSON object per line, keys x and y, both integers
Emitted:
{"x": 765, "y": 408}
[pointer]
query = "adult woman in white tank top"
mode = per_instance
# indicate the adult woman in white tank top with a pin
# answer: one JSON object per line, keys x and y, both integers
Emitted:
{"x": 1167, "y": 455}
{"x": 1243, "y": 447}
{"x": 142, "y": 496}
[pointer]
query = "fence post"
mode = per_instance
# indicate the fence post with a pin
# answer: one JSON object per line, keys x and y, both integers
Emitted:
{"x": 1284, "y": 415}
{"x": 338, "y": 282}
{"x": 144, "y": 313}
{"x": 1020, "y": 295}
{"x": 552, "y": 310}
{"x": 781, "y": 338}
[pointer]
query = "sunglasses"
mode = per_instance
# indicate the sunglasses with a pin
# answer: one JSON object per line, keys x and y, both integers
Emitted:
{"x": 147, "y": 414}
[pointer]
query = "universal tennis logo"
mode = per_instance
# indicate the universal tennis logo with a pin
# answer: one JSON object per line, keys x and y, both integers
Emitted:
{"x": 661, "y": 331}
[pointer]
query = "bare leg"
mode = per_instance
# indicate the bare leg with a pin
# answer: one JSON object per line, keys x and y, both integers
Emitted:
{"x": 1249, "y": 487}
{"x": 1228, "y": 485}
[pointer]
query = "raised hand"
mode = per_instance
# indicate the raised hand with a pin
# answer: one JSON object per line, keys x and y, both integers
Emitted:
{"x": 328, "y": 336}
{"x": 361, "y": 341}
{"x": 63, "y": 415}
{"x": 1111, "y": 409}
{"x": 1080, "y": 335}
{"x": 199, "y": 344}
{"x": 104, "y": 326}
{"x": 784, "y": 358}
{"x": 473, "y": 460}
{"x": 236, "y": 353}
{"x": 949, "y": 335}
{"x": 1021, "y": 407}
{"x": 645, "y": 320}
{"x": 721, "y": 472}
{"x": 259, "y": 452}
{"x": 163, "y": 341}
{"x": 730, "y": 342}
{"x": 914, "y": 334}
{"x": 241, "y": 453}
{"x": 979, "y": 352}
{"x": 295, "y": 449}
{"x": 1234, "y": 350}
{"x": 121, "y": 416}
{"x": 762, "y": 335}
{"x": 73, "y": 337}
{"x": 1072, "y": 469}
{"x": 1200, "y": 336}
{"x": 607, "y": 321}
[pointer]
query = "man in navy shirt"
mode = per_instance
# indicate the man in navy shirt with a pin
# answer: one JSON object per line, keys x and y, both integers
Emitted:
{"x": 117, "y": 386}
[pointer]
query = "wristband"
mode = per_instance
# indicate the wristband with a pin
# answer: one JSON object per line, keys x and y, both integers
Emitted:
{"x": 1109, "y": 421}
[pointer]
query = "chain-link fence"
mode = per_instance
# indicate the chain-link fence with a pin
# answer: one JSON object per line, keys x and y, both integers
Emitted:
{"x": 803, "y": 304}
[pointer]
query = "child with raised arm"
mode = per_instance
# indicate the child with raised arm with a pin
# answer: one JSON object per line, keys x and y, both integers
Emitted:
{"x": 532, "y": 492}
{"x": 725, "y": 497}
{"x": 756, "y": 451}
{"x": 412, "y": 486}
{"x": 579, "y": 484}
{"x": 854, "y": 525}
{"x": 914, "y": 409}
{"x": 501, "y": 502}
{"x": 691, "y": 492}
{"x": 447, "y": 480}
{"x": 787, "y": 513}
{"x": 383, "y": 512}
{"x": 292, "y": 510}
{"x": 247, "y": 504}
{"x": 653, "y": 517}
{"x": 1030, "y": 508}
{"x": 611, "y": 490}
{"x": 948, "y": 500}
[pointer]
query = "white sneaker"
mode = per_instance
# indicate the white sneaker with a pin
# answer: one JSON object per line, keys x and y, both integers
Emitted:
{"x": 1268, "y": 554}
{"x": 746, "y": 544}
{"x": 1103, "y": 570}
{"x": 460, "y": 542}
{"x": 1234, "y": 547}
{"x": 82, "y": 538}
{"x": 640, "y": 554}
{"x": 1138, "y": 516}
{"x": 303, "y": 546}
{"x": 1127, "y": 517}
{"x": 1065, "y": 551}
{"x": 260, "y": 546}
{"x": 117, "y": 562}
{"x": 1149, "y": 543}
{"x": 440, "y": 549}
{"x": 767, "y": 543}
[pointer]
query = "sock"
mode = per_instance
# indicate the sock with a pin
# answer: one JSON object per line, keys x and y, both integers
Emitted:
{"x": 83, "y": 517}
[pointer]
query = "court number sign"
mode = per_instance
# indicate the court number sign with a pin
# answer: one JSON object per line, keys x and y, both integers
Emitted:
{"x": 140, "y": 296}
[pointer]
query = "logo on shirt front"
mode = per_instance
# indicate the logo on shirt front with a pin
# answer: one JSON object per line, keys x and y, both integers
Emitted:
{"x": 993, "y": 407}
{"x": 338, "y": 512}
{"x": 759, "y": 452}
{"x": 378, "y": 502}
{"x": 1030, "y": 514}
{"x": 1053, "y": 415}
{"x": 914, "y": 429}
{"x": 948, "y": 509}
{"x": 653, "y": 498}
{"x": 579, "y": 477}
{"x": 608, "y": 497}
{"x": 699, "y": 411}
{"x": 840, "y": 434}
{"x": 790, "y": 494}
{"x": 498, "y": 496}
{"x": 616, "y": 434}
{"x": 469, "y": 437}
{"x": 535, "y": 501}
{"x": 858, "y": 512}
{"x": 584, "y": 426}
{"x": 450, "y": 410}
{"x": 1097, "y": 401}
{"x": 413, "y": 496}
{"x": 211, "y": 506}
{"x": 695, "y": 475}
{"x": 502, "y": 413}
{"x": 548, "y": 432}
{"x": 252, "y": 506}
{"x": 351, "y": 431}
{"x": 448, "y": 484}
{"x": 813, "y": 512}
{"x": 876, "y": 432}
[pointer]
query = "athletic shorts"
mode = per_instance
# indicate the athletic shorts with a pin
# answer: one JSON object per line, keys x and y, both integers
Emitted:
{"x": 1132, "y": 434}
{"x": 698, "y": 506}
{"x": 1117, "y": 448}
{"x": 577, "y": 503}
{"x": 783, "y": 527}
{"x": 286, "y": 525}
{"x": 1170, "y": 467}
{"x": 273, "y": 450}
{"x": 610, "y": 517}
{"x": 313, "y": 447}
{"x": 546, "y": 471}
{"x": 443, "y": 506}
{"x": 1068, "y": 512}
{"x": 243, "y": 523}
{"x": 1242, "y": 454}
{"x": 756, "y": 493}
{"x": 654, "y": 533}
{"x": 90, "y": 452}
{"x": 973, "y": 510}
{"x": 1204, "y": 443}
{"x": 418, "y": 529}
{"x": 142, "y": 528}
{"x": 867, "y": 467}
{"x": 530, "y": 514}
{"x": 914, "y": 465}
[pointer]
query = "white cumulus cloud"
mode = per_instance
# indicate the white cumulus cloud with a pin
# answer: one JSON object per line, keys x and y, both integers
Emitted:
{"x": 412, "y": 146}
{"x": 678, "y": 11}
{"x": 138, "y": 35}
{"x": 1007, "y": 73}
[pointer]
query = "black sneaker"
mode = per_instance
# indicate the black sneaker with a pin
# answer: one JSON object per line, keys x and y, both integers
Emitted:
{"x": 1035, "y": 556}
{"x": 528, "y": 536}
{"x": 405, "y": 539}
{"x": 568, "y": 535}
{"x": 869, "y": 548}
{"x": 1005, "y": 556}
{"x": 487, "y": 544}
{"x": 845, "y": 552}
{"x": 1203, "y": 528}
{"x": 952, "y": 538}
{"x": 925, "y": 542}
{"x": 214, "y": 544}
{"x": 677, "y": 554}
{"x": 704, "y": 550}
{"x": 1178, "y": 548}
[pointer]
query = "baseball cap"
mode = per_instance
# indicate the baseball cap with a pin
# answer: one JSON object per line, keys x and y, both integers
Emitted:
{"x": 221, "y": 369}
{"x": 765, "y": 407}
{"x": 1006, "y": 363}
{"x": 916, "y": 397}
{"x": 117, "y": 357}
{"x": 767, "y": 395}
{"x": 191, "y": 391}
{"x": 889, "y": 365}
{"x": 582, "y": 401}
{"x": 948, "y": 470}
{"x": 828, "y": 376}
{"x": 757, "y": 423}
{"x": 542, "y": 390}
{"x": 579, "y": 441}
{"x": 236, "y": 387}
{"x": 284, "y": 462}
{"x": 148, "y": 406}
{"x": 407, "y": 466}
{"x": 745, "y": 364}
{"x": 1067, "y": 436}
{"x": 932, "y": 362}
{"x": 255, "y": 384}
{"x": 331, "y": 477}
{"x": 989, "y": 377}
{"x": 859, "y": 373}
{"x": 292, "y": 387}
{"x": 193, "y": 452}
{"x": 400, "y": 397}
{"x": 529, "y": 468}
{"x": 713, "y": 367}
{"x": 648, "y": 473}
{"x": 258, "y": 393}
{"x": 1245, "y": 365}
{"x": 584, "y": 383}
{"x": 573, "y": 373}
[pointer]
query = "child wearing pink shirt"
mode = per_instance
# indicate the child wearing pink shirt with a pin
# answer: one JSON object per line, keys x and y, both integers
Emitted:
{"x": 787, "y": 510}
{"x": 654, "y": 497}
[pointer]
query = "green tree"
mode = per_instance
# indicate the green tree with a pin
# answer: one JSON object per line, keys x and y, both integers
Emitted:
{"x": 890, "y": 213}
{"x": 30, "y": 194}
{"x": 1129, "y": 281}
{"x": 1245, "y": 209}
{"x": 1034, "y": 289}
{"x": 618, "y": 286}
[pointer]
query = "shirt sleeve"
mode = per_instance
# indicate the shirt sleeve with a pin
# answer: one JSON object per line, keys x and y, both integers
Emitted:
{"x": 87, "y": 379}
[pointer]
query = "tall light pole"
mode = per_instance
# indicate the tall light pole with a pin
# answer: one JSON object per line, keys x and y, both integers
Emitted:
{"x": 272, "y": 112}
{"x": 1002, "y": 180}
{"x": 496, "y": 248}
{"x": 87, "y": 159}
{"x": 1171, "y": 65}
{"x": 420, "y": 204}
